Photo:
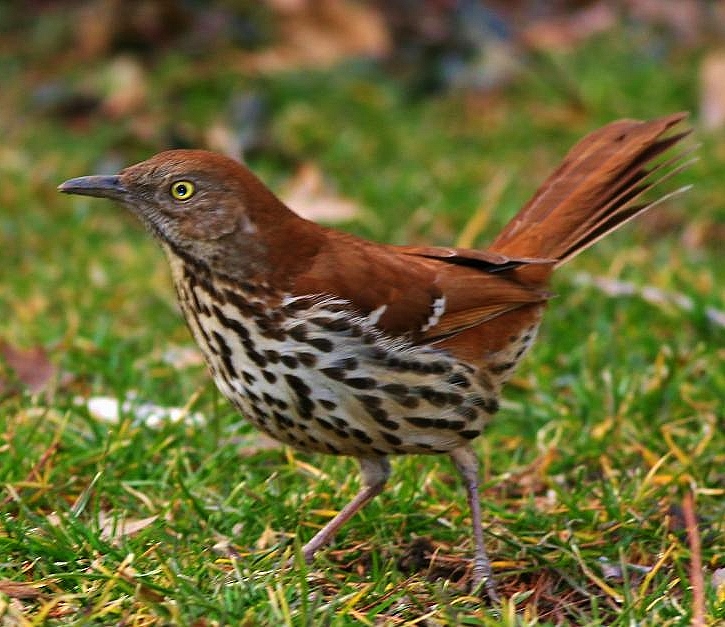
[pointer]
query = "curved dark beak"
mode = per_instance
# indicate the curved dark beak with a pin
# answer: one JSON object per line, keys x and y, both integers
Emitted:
{"x": 99, "y": 186}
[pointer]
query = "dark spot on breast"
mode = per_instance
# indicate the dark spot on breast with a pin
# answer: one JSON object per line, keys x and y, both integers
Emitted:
{"x": 272, "y": 356}
{"x": 282, "y": 420}
{"x": 298, "y": 385}
{"x": 307, "y": 359}
{"x": 395, "y": 390}
{"x": 337, "y": 374}
{"x": 467, "y": 412}
{"x": 340, "y": 423}
{"x": 320, "y": 321}
{"x": 361, "y": 383}
{"x": 269, "y": 376}
{"x": 251, "y": 395}
{"x": 433, "y": 396}
{"x": 458, "y": 379}
{"x": 322, "y": 344}
{"x": 489, "y": 405}
{"x": 389, "y": 437}
{"x": 305, "y": 407}
{"x": 249, "y": 348}
{"x": 369, "y": 401}
{"x": 324, "y": 424}
{"x": 298, "y": 333}
{"x": 361, "y": 436}
{"x": 347, "y": 363}
{"x": 340, "y": 325}
{"x": 419, "y": 421}
{"x": 329, "y": 405}
{"x": 289, "y": 361}
{"x": 454, "y": 399}
{"x": 300, "y": 304}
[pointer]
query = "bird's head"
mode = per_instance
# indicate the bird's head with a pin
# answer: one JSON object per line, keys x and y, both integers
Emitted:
{"x": 198, "y": 204}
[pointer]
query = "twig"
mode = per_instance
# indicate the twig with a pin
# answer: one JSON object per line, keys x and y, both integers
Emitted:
{"x": 696, "y": 579}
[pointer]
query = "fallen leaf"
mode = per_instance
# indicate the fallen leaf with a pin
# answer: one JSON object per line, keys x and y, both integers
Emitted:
{"x": 712, "y": 90}
{"x": 308, "y": 196}
{"x": 19, "y": 589}
{"x": 567, "y": 31}
{"x": 319, "y": 34}
{"x": 126, "y": 87}
{"x": 31, "y": 367}
{"x": 113, "y": 528}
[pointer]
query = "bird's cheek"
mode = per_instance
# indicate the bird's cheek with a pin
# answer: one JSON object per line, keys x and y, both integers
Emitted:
{"x": 209, "y": 225}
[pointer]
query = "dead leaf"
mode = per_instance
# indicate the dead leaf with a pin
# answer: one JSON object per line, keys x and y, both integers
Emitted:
{"x": 268, "y": 538}
{"x": 712, "y": 90}
{"x": 319, "y": 34}
{"x": 686, "y": 19}
{"x": 20, "y": 589}
{"x": 567, "y": 31}
{"x": 31, "y": 367}
{"x": 308, "y": 196}
{"x": 113, "y": 528}
{"x": 126, "y": 87}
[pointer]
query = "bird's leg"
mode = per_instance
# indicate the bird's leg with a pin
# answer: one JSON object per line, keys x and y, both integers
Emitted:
{"x": 375, "y": 472}
{"x": 467, "y": 463}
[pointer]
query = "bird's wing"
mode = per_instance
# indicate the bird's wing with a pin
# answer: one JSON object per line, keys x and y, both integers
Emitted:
{"x": 425, "y": 294}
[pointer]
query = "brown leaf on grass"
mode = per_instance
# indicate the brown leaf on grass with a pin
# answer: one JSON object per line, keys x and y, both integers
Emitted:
{"x": 567, "y": 31}
{"x": 686, "y": 19}
{"x": 712, "y": 91}
{"x": 319, "y": 34}
{"x": 114, "y": 529}
{"x": 30, "y": 367}
{"x": 308, "y": 196}
{"x": 126, "y": 87}
{"x": 19, "y": 589}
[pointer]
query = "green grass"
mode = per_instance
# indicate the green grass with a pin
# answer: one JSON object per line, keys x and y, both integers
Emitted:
{"x": 615, "y": 415}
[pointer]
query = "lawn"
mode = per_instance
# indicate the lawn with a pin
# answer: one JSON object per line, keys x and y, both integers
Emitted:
{"x": 610, "y": 439}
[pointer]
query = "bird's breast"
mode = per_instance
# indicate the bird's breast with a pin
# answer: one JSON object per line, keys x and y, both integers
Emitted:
{"x": 315, "y": 374}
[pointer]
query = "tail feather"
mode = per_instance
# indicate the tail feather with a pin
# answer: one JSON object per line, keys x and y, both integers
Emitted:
{"x": 594, "y": 190}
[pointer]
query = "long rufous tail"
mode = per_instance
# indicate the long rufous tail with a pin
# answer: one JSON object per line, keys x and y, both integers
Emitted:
{"x": 596, "y": 189}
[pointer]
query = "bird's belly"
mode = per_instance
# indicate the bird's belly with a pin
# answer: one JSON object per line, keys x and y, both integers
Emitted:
{"x": 320, "y": 378}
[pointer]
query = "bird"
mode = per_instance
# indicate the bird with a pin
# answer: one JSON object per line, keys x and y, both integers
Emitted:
{"x": 334, "y": 344}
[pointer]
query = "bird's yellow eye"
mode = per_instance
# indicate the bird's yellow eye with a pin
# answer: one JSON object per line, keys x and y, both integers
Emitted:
{"x": 182, "y": 190}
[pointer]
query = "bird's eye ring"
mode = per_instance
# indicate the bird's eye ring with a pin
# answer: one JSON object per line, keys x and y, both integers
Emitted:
{"x": 182, "y": 190}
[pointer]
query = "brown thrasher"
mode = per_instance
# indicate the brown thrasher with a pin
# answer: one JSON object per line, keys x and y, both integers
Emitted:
{"x": 335, "y": 344}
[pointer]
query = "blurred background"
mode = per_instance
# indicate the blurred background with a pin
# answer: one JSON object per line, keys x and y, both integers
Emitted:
{"x": 398, "y": 119}
{"x": 428, "y": 121}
